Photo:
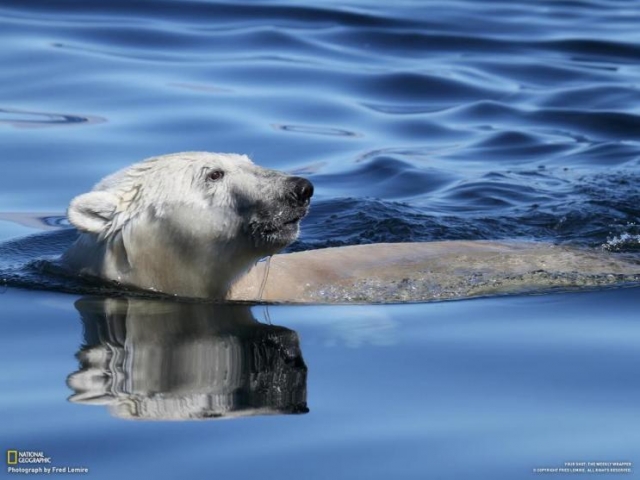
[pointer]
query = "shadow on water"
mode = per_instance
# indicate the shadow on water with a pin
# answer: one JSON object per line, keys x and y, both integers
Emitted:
{"x": 167, "y": 360}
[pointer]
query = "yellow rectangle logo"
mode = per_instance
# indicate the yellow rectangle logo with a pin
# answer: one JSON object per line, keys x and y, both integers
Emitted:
{"x": 12, "y": 457}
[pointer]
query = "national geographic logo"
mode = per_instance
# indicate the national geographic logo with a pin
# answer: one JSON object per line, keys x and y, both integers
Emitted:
{"x": 30, "y": 462}
{"x": 15, "y": 457}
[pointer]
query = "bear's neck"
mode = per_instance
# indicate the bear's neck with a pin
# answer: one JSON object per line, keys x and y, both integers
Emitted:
{"x": 158, "y": 264}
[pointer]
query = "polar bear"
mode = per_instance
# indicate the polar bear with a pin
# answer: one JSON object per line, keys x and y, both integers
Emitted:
{"x": 195, "y": 224}
{"x": 188, "y": 224}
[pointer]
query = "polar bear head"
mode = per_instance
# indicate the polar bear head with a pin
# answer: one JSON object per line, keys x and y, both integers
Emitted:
{"x": 187, "y": 224}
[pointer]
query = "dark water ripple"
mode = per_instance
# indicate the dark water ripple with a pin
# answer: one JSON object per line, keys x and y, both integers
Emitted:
{"x": 600, "y": 211}
{"x": 25, "y": 119}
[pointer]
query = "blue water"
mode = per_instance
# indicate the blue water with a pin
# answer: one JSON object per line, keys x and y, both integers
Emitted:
{"x": 489, "y": 388}
{"x": 416, "y": 121}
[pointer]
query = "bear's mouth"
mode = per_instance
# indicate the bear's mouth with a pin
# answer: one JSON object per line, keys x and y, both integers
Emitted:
{"x": 275, "y": 226}
{"x": 278, "y": 230}
{"x": 294, "y": 220}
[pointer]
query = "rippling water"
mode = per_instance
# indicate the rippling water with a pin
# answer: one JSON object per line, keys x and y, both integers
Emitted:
{"x": 422, "y": 121}
{"x": 416, "y": 121}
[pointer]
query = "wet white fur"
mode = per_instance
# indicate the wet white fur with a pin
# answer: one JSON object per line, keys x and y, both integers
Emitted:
{"x": 160, "y": 225}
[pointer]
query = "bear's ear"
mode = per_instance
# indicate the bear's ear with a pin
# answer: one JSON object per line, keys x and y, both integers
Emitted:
{"x": 91, "y": 212}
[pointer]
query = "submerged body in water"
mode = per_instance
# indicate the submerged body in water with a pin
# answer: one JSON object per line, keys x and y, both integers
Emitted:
{"x": 418, "y": 272}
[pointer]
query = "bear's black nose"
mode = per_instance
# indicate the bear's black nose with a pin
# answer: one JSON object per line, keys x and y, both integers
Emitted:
{"x": 302, "y": 190}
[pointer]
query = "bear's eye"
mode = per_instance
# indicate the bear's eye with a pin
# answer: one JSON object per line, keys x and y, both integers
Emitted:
{"x": 215, "y": 175}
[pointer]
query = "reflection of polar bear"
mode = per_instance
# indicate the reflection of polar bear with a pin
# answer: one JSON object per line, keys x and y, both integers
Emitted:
{"x": 193, "y": 224}
{"x": 187, "y": 224}
{"x": 162, "y": 360}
